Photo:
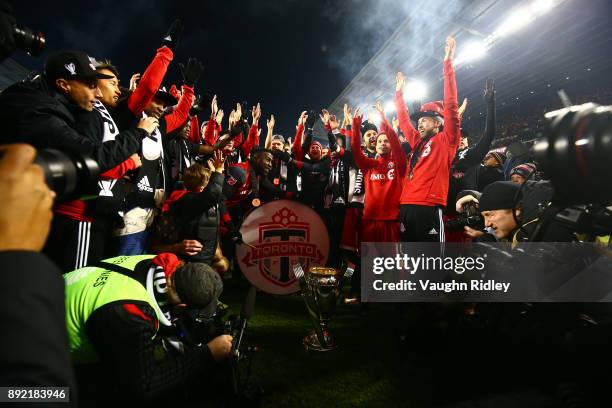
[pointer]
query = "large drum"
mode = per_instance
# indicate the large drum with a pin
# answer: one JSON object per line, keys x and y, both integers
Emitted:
{"x": 277, "y": 235}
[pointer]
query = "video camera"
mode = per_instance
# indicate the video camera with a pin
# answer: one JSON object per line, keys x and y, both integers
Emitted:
{"x": 194, "y": 328}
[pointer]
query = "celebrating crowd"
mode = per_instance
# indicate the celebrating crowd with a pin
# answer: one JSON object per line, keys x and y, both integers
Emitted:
{"x": 178, "y": 176}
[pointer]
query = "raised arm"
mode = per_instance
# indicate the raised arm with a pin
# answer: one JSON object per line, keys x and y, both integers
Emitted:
{"x": 452, "y": 127}
{"x": 155, "y": 72}
{"x": 396, "y": 147}
{"x": 474, "y": 155}
{"x": 191, "y": 73}
{"x": 252, "y": 139}
{"x": 410, "y": 133}
{"x": 270, "y": 124}
{"x": 298, "y": 153}
{"x": 361, "y": 160}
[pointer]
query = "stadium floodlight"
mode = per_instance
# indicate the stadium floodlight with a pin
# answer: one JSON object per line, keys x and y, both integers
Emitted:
{"x": 515, "y": 21}
{"x": 540, "y": 7}
{"x": 415, "y": 90}
{"x": 471, "y": 52}
{"x": 389, "y": 106}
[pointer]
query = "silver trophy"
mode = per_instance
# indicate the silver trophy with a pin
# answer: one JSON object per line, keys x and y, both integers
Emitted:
{"x": 321, "y": 288}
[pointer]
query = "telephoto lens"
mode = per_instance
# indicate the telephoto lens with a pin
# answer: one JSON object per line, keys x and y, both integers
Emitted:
{"x": 70, "y": 176}
{"x": 29, "y": 41}
{"x": 575, "y": 152}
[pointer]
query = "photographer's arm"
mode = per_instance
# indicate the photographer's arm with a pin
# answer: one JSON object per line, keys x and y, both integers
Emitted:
{"x": 123, "y": 337}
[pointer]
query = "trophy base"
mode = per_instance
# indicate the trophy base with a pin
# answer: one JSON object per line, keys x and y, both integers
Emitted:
{"x": 311, "y": 342}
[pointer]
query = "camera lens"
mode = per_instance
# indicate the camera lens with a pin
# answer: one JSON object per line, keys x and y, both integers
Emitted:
{"x": 68, "y": 175}
{"x": 29, "y": 41}
{"x": 575, "y": 153}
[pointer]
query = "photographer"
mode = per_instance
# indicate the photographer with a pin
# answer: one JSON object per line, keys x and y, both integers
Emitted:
{"x": 34, "y": 344}
{"x": 511, "y": 212}
{"x": 113, "y": 317}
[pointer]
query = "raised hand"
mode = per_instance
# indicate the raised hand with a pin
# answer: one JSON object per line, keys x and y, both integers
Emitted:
{"x": 216, "y": 163}
{"x": 347, "y": 115}
{"x": 256, "y": 113}
{"x": 219, "y": 116}
{"x": 324, "y": 115}
{"x": 271, "y": 122}
{"x": 400, "y": 81}
{"x": 134, "y": 81}
{"x": 462, "y": 108}
{"x": 238, "y": 112}
{"x": 173, "y": 36}
{"x": 395, "y": 123}
{"x": 232, "y": 118}
{"x": 333, "y": 122}
{"x": 191, "y": 72}
{"x": 357, "y": 118}
{"x": 213, "y": 106}
{"x": 379, "y": 108}
{"x": 302, "y": 118}
{"x": 449, "y": 49}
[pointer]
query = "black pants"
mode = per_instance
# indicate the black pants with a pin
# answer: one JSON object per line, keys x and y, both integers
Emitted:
{"x": 74, "y": 244}
{"x": 335, "y": 223}
{"x": 421, "y": 223}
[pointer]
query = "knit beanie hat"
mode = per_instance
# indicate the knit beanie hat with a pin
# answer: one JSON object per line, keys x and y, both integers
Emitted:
{"x": 524, "y": 170}
{"x": 499, "y": 195}
{"x": 499, "y": 157}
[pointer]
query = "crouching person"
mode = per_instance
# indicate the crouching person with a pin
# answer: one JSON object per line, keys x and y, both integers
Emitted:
{"x": 189, "y": 223}
{"x": 115, "y": 314}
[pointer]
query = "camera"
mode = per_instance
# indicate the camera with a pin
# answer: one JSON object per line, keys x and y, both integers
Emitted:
{"x": 470, "y": 215}
{"x": 29, "y": 41}
{"x": 575, "y": 152}
{"x": 71, "y": 176}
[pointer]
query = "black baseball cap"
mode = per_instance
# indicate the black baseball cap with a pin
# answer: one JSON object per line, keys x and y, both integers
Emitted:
{"x": 72, "y": 65}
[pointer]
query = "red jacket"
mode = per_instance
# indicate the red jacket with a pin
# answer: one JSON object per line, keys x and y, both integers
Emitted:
{"x": 383, "y": 175}
{"x": 150, "y": 81}
{"x": 429, "y": 184}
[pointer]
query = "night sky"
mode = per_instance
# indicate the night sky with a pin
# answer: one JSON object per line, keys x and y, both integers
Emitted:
{"x": 296, "y": 55}
{"x": 287, "y": 55}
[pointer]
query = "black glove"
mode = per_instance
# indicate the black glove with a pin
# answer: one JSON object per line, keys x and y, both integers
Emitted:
{"x": 281, "y": 155}
{"x": 333, "y": 144}
{"x": 173, "y": 36}
{"x": 234, "y": 234}
{"x": 310, "y": 121}
{"x": 191, "y": 72}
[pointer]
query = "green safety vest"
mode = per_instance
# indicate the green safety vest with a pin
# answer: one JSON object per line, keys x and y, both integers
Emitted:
{"x": 90, "y": 288}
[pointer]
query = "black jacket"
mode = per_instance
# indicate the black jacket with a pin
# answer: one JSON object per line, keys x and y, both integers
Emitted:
{"x": 34, "y": 344}
{"x": 34, "y": 112}
{"x": 198, "y": 216}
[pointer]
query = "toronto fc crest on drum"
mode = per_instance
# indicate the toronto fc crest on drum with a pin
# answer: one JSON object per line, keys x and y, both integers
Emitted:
{"x": 280, "y": 234}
